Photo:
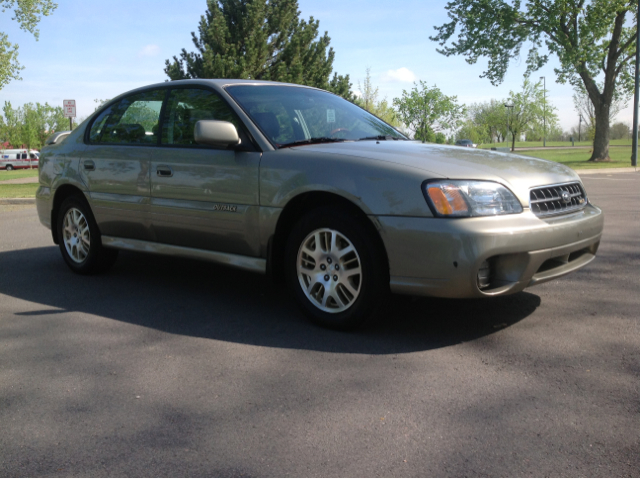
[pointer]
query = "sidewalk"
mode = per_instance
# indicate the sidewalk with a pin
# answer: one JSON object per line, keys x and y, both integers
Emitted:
{"x": 20, "y": 181}
{"x": 607, "y": 171}
{"x": 17, "y": 201}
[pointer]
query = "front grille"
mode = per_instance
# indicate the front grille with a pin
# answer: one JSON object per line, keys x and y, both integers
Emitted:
{"x": 548, "y": 200}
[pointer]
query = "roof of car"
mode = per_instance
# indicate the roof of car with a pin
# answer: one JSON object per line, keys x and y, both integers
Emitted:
{"x": 221, "y": 82}
{"x": 218, "y": 82}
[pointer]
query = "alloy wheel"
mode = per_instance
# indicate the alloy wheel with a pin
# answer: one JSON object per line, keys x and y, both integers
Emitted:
{"x": 77, "y": 236}
{"x": 329, "y": 270}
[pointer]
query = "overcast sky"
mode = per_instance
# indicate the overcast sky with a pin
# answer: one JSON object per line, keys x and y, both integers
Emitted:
{"x": 97, "y": 50}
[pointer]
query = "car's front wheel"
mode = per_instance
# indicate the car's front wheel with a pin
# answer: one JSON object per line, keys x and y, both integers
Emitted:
{"x": 335, "y": 269}
{"x": 9, "y": 167}
{"x": 79, "y": 238}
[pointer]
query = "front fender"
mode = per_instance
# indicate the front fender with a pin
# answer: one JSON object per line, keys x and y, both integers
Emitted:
{"x": 377, "y": 188}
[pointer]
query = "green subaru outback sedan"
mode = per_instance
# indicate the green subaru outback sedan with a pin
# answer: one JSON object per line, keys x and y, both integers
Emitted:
{"x": 303, "y": 185}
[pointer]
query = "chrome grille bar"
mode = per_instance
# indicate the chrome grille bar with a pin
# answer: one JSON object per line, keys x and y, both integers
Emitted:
{"x": 557, "y": 199}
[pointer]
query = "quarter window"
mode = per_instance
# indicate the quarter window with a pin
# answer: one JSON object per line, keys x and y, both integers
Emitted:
{"x": 132, "y": 121}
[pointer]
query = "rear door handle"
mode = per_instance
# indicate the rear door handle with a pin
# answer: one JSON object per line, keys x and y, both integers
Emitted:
{"x": 163, "y": 170}
{"x": 89, "y": 165}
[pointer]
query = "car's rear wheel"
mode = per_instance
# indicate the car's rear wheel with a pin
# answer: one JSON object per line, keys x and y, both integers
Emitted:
{"x": 9, "y": 167}
{"x": 79, "y": 238}
{"x": 334, "y": 269}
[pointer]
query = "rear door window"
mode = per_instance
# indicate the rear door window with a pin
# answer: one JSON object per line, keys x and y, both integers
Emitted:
{"x": 134, "y": 120}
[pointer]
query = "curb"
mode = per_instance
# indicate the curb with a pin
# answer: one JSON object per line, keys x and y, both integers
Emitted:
{"x": 17, "y": 201}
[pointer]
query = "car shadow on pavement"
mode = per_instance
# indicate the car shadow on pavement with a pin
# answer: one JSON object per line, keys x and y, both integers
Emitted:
{"x": 205, "y": 300}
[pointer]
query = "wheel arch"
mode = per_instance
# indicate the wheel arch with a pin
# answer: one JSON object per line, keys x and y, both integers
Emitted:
{"x": 300, "y": 205}
{"x": 61, "y": 194}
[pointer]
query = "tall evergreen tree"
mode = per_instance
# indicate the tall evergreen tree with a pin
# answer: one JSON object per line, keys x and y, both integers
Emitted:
{"x": 261, "y": 40}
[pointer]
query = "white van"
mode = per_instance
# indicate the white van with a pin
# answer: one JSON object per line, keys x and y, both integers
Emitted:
{"x": 18, "y": 158}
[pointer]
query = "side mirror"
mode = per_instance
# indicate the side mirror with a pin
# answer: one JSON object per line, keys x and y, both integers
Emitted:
{"x": 57, "y": 138}
{"x": 221, "y": 134}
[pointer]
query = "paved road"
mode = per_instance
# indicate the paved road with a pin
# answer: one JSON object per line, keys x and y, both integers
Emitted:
{"x": 173, "y": 368}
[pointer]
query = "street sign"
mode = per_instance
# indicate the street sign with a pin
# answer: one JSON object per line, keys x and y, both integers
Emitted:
{"x": 69, "y": 108}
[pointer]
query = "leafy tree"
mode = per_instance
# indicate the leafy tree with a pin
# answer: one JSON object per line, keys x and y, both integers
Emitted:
{"x": 12, "y": 125}
{"x": 589, "y": 37}
{"x": 368, "y": 93}
{"x": 620, "y": 131}
{"x": 536, "y": 129}
{"x": 525, "y": 109}
{"x": 28, "y": 14}
{"x": 40, "y": 121}
{"x": 99, "y": 102}
{"x": 427, "y": 110}
{"x": 471, "y": 131}
{"x": 555, "y": 132}
{"x": 583, "y": 106}
{"x": 369, "y": 101}
{"x": 31, "y": 124}
{"x": 260, "y": 40}
{"x": 489, "y": 122}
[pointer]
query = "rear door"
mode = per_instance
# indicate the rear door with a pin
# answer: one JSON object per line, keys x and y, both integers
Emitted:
{"x": 115, "y": 164}
{"x": 204, "y": 197}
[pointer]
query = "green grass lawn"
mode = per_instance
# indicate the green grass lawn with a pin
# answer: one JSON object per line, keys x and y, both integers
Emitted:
{"x": 577, "y": 158}
{"x": 11, "y": 175}
{"x": 18, "y": 191}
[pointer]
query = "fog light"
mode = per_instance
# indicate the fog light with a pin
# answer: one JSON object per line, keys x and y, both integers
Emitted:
{"x": 484, "y": 275}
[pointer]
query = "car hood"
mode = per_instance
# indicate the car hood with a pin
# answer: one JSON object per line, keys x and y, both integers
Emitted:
{"x": 519, "y": 173}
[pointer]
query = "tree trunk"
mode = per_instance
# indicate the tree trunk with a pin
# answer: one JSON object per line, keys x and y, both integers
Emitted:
{"x": 513, "y": 142}
{"x": 601, "y": 139}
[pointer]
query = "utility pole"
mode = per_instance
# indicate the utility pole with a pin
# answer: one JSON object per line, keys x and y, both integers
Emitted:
{"x": 579, "y": 127}
{"x": 634, "y": 147}
{"x": 544, "y": 116}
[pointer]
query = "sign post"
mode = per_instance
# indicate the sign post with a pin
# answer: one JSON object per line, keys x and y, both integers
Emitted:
{"x": 70, "y": 111}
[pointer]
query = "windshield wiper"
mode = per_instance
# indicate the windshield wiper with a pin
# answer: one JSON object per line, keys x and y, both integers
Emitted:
{"x": 312, "y": 141}
{"x": 381, "y": 137}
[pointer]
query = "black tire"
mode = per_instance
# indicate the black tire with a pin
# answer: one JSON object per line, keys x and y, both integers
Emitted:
{"x": 83, "y": 258}
{"x": 9, "y": 168}
{"x": 332, "y": 303}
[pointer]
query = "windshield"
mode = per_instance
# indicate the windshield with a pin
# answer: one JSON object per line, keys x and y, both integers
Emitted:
{"x": 290, "y": 115}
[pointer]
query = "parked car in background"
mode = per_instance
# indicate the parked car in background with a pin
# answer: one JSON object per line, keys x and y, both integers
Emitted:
{"x": 466, "y": 143}
{"x": 14, "y": 159}
{"x": 309, "y": 188}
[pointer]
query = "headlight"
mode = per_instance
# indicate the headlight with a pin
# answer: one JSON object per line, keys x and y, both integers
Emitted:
{"x": 463, "y": 198}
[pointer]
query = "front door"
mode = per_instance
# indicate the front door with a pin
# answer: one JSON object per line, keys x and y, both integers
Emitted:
{"x": 203, "y": 197}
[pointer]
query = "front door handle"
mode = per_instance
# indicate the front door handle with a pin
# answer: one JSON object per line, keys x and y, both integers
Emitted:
{"x": 163, "y": 170}
{"x": 89, "y": 165}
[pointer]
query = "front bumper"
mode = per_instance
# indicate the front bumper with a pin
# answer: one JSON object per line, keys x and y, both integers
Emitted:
{"x": 44, "y": 204}
{"x": 441, "y": 257}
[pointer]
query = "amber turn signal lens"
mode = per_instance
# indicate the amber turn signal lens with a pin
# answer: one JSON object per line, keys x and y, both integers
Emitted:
{"x": 448, "y": 200}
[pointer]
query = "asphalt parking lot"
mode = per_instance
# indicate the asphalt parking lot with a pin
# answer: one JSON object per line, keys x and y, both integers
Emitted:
{"x": 177, "y": 368}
